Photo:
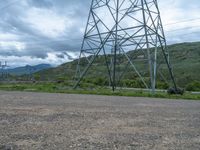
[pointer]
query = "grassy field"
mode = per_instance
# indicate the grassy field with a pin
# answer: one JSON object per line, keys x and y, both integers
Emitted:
{"x": 62, "y": 88}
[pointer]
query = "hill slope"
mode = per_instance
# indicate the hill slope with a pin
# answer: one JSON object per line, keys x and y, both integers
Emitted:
{"x": 185, "y": 59}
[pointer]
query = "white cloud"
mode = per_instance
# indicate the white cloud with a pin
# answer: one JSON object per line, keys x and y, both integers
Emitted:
{"x": 8, "y": 36}
{"x": 12, "y": 44}
{"x": 15, "y": 61}
{"x": 48, "y": 22}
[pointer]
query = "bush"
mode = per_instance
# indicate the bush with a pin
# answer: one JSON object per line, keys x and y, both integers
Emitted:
{"x": 193, "y": 86}
{"x": 133, "y": 83}
{"x": 100, "y": 81}
{"x": 61, "y": 79}
{"x": 162, "y": 85}
{"x": 172, "y": 91}
{"x": 37, "y": 77}
{"x": 84, "y": 85}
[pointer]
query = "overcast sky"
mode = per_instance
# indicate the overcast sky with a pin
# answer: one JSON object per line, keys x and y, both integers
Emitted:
{"x": 51, "y": 31}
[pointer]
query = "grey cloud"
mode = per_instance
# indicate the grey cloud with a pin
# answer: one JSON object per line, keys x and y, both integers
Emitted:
{"x": 38, "y": 45}
{"x": 63, "y": 55}
{"x": 69, "y": 56}
{"x": 60, "y": 56}
{"x": 40, "y": 3}
{"x": 13, "y": 21}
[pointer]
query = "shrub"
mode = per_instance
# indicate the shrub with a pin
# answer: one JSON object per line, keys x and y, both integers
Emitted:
{"x": 100, "y": 81}
{"x": 193, "y": 86}
{"x": 162, "y": 85}
{"x": 133, "y": 83}
{"x": 172, "y": 91}
{"x": 37, "y": 77}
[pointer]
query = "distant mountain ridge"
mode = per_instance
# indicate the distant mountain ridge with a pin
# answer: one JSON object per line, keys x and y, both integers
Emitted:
{"x": 28, "y": 69}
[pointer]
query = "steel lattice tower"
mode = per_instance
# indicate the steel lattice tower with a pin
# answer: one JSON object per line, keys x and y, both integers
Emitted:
{"x": 117, "y": 27}
{"x": 4, "y": 73}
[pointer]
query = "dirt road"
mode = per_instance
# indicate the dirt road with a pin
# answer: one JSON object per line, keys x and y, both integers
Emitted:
{"x": 61, "y": 121}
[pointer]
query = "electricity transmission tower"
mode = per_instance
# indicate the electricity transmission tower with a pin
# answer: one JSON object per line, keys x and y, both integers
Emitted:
{"x": 30, "y": 71}
{"x": 4, "y": 73}
{"x": 128, "y": 30}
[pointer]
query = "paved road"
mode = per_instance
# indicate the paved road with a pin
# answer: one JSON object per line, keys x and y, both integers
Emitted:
{"x": 61, "y": 121}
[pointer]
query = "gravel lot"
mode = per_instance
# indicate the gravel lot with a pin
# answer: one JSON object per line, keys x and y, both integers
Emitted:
{"x": 61, "y": 121}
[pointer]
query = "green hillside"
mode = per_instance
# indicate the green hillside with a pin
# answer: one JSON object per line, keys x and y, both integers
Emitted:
{"x": 185, "y": 60}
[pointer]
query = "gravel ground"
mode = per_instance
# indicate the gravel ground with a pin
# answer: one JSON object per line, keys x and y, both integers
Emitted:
{"x": 61, "y": 121}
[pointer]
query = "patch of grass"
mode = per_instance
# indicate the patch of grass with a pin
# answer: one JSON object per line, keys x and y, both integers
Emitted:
{"x": 60, "y": 88}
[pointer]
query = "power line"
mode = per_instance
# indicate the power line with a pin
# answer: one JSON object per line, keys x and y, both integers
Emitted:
{"x": 188, "y": 20}
{"x": 52, "y": 42}
{"x": 185, "y": 28}
{"x": 172, "y": 23}
{"x": 184, "y": 34}
{"x": 78, "y": 39}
